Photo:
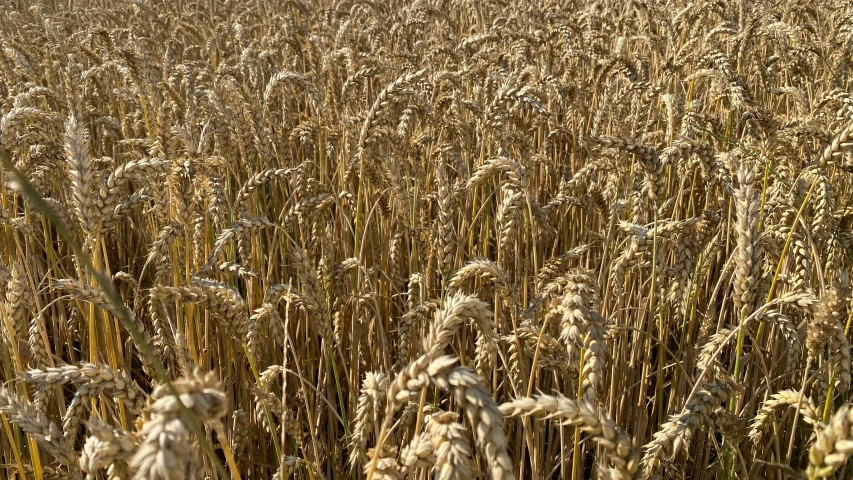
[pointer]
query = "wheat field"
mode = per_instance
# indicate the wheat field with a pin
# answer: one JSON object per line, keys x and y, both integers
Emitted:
{"x": 440, "y": 239}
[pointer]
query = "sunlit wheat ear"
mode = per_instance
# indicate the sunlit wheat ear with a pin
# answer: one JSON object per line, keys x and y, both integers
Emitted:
{"x": 839, "y": 348}
{"x": 829, "y": 315}
{"x": 640, "y": 243}
{"x": 833, "y": 445}
{"x": 459, "y": 307}
{"x": 451, "y": 444}
{"x": 20, "y": 116}
{"x": 223, "y": 302}
{"x": 314, "y": 294}
{"x": 446, "y": 230}
{"x": 577, "y": 310}
{"x": 621, "y": 451}
{"x": 92, "y": 381}
{"x": 497, "y": 165}
{"x": 297, "y": 79}
{"x": 509, "y": 217}
{"x": 63, "y": 214}
{"x": 370, "y": 404}
{"x": 784, "y": 398}
{"x": 21, "y": 224}
{"x": 81, "y": 172}
{"x": 748, "y": 256}
{"x": 481, "y": 268}
{"x": 160, "y": 247}
{"x": 595, "y": 360}
{"x": 230, "y": 269}
{"x": 108, "y": 194}
{"x": 678, "y": 431}
{"x": 106, "y": 447}
{"x": 163, "y": 338}
{"x": 118, "y": 387}
{"x": 256, "y": 181}
{"x": 386, "y": 98}
{"x": 419, "y": 453}
{"x": 706, "y": 359}
{"x": 386, "y": 465}
{"x": 269, "y": 406}
{"x": 40, "y": 355}
{"x": 552, "y": 352}
{"x": 35, "y": 423}
{"x": 449, "y": 318}
{"x": 729, "y": 425}
{"x": 165, "y": 442}
{"x": 95, "y": 296}
{"x": 556, "y": 266}
{"x": 484, "y": 417}
{"x": 479, "y": 407}
{"x": 831, "y": 152}
{"x": 20, "y": 305}
{"x": 646, "y": 155}
{"x": 266, "y": 315}
{"x": 237, "y": 230}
